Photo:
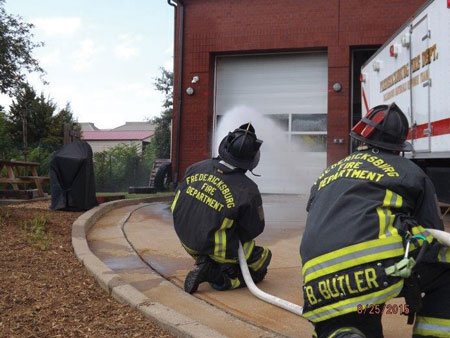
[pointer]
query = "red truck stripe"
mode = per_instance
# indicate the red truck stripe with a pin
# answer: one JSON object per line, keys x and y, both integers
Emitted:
{"x": 440, "y": 127}
{"x": 365, "y": 100}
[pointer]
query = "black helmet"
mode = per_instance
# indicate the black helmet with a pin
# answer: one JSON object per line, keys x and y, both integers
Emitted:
{"x": 384, "y": 127}
{"x": 240, "y": 148}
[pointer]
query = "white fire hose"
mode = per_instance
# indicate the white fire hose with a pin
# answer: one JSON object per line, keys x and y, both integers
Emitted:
{"x": 284, "y": 304}
{"x": 442, "y": 236}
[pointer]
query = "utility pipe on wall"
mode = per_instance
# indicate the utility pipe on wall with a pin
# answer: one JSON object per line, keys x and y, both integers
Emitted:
{"x": 175, "y": 4}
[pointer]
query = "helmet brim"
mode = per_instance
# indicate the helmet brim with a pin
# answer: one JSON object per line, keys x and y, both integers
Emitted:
{"x": 405, "y": 146}
{"x": 236, "y": 162}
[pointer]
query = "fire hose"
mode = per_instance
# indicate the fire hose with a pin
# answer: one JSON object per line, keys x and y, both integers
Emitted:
{"x": 284, "y": 304}
{"x": 442, "y": 236}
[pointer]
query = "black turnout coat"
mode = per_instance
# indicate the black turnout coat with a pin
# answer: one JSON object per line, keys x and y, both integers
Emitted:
{"x": 215, "y": 207}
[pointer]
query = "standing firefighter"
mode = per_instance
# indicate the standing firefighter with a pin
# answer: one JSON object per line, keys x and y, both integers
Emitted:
{"x": 366, "y": 211}
{"x": 216, "y": 206}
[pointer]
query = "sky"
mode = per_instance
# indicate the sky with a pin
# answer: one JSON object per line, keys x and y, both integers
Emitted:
{"x": 102, "y": 56}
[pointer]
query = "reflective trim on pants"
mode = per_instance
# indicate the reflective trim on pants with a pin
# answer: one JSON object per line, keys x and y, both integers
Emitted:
{"x": 429, "y": 326}
{"x": 255, "y": 266}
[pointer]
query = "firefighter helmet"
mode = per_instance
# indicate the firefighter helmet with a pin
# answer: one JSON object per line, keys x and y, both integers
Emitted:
{"x": 384, "y": 127}
{"x": 240, "y": 148}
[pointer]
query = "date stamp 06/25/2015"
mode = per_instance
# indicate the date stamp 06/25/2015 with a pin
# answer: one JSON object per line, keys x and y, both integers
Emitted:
{"x": 380, "y": 309}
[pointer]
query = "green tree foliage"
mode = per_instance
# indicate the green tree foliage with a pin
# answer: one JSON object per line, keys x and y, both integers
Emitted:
{"x": 161, "y": 138}
{"x": 16, "y": 48}
{"x": 36, "y": 109}
{"x": 64, "y": 117}
{"x": 120, "y": 167}
{"x": 44, "y": 126}
{"x": 4, "y": 138}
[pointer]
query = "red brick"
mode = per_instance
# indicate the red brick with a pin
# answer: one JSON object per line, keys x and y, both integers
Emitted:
{"x": 256, "y": 26}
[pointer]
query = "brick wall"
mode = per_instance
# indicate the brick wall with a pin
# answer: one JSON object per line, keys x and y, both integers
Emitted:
{"x": 213, "y": 27}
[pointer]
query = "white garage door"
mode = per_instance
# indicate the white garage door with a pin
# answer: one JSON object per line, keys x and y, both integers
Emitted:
{"x": 285, "y": 97}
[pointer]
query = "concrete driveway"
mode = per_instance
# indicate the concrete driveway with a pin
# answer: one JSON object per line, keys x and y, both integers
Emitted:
{"x": 144, "y": 250}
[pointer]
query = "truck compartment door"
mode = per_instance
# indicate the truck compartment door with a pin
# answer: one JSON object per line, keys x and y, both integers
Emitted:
{"x": 421, "y": 86}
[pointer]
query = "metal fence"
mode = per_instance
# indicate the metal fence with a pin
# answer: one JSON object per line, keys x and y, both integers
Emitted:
{"x": 115, "y": 170}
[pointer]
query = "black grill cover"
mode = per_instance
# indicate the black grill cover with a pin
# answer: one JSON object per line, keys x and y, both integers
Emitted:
{"x": 72, "y": 181}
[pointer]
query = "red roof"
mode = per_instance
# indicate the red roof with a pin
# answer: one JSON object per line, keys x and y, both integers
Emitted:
{"x": 111, "y": 135}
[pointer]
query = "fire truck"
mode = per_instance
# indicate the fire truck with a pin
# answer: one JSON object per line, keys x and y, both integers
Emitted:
{"x": 412, "y": 69}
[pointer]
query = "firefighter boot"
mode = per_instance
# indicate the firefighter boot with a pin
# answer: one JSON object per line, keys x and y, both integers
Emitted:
{"x": 199, "y": 274}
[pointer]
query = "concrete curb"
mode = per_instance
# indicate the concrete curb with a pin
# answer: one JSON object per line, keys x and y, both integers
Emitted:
{"x": 111, "y": 282}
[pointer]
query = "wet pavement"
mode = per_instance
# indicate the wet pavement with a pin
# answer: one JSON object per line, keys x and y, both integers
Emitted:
{"x": 144, "y": 250}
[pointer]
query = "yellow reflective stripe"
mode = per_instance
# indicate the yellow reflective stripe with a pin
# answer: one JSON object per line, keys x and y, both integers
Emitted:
{"x": 255, "y": 266}
{"x": 220, "y": 238}
{"x": 444, "y": 255}
{"x": 429, "y": 326}
{"x": 223, "y": 260}
{"x": 386, "y": 218}
{"x": 391, "y": 229}
{"x": 361, "y": 253}
{"x": 172, "y": 207}
{"x": 235, "y": 283}
{"x": 383, "y": 216}
{"x": 190, "y": 251}
{"x": 341, "y": 330}
{"x": 419, "y": 230}
{"x": 248, "y": 248}
{"x": 350, "y": 305}
{"x": 399, "y": 201}
{"x": 387, "y": 198}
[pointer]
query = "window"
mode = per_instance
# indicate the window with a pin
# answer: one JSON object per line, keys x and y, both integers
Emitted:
{"x": 303, "y": 132}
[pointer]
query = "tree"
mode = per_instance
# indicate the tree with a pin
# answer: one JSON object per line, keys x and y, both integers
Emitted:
{"x": 4, "y": 139}
{"x": 43, "y": 125}
{"x": 16, "y": 48}
{"x": 38, "y": 112}
{"x": 161, "y": 138}
{"x": 64, "y": 117}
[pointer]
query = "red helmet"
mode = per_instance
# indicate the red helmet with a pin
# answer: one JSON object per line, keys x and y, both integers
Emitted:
{"x": 384, "y": 127}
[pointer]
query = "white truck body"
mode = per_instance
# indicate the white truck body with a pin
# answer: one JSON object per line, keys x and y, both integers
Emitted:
{"x": 412, "y": 69}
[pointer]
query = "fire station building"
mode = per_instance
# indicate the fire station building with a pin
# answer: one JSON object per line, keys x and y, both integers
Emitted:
{"x": 295, "y": 61}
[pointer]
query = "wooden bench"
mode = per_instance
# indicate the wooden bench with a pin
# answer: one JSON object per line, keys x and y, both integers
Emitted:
{"x": 446, "y": 206}
{"x": 13, "y": 169}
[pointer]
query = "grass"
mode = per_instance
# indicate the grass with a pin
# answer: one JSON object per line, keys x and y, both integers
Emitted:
{"x": 37, "y": 232}
{"x": 3, "y": 216}
{"x": 128, "y": 196}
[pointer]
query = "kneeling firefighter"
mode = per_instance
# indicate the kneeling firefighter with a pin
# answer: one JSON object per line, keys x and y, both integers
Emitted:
{"x": 216, "y": 206}
{"x": 369, "y": 212}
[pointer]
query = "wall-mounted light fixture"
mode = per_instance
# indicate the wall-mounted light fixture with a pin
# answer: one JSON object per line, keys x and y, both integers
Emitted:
{"x": 337, "y": 87}
{"x": 376, "y": 65}
{"x": 190, "y": 91}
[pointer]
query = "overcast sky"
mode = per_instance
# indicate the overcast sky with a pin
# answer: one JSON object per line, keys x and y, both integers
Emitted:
{"x": 101, "y": 55}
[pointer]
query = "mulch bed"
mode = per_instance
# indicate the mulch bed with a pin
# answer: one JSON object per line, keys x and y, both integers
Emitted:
{"x": 45, "y": 291}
